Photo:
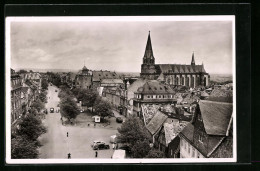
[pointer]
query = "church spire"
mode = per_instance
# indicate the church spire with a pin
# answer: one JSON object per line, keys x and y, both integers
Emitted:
{"x": 193, "y": 60}
{"x": 148, "y": 55}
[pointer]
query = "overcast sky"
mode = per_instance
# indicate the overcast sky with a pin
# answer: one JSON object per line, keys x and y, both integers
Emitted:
{"x": 120, "y": 46}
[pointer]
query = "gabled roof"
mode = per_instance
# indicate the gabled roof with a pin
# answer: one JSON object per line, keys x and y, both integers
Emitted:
{"x": 172, "y": 130}
{"x": 156, "y": 122}
{"x": 216, "y": 116}
{"x": 188, "y": 131}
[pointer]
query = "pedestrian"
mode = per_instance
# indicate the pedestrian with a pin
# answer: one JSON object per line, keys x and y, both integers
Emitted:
{"x": 67, "y": 134}
{"x": 96, "y": 153}
{"x": 94, "y": 125}
{"x": 69, "y": 156}
{"x": 113, "y": 146}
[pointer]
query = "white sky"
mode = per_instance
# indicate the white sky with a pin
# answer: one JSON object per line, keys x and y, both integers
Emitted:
{"x": 120, "y": 45}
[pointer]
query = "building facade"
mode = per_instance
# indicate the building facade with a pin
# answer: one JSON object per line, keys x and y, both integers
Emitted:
{"x": 209, "y": 132}
{"x": 187, "y": 75}
{"x": 84, "y": 78}
{"x": 16, "y": 102}
{"x": 116, "y": 96}
{"x": 152, "y": 92}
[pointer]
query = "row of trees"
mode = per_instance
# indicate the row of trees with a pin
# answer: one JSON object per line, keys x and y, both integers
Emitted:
{"x": 134, "y": 134}
{"x": 90, "y": 98}
{"x": 24, "y": 140}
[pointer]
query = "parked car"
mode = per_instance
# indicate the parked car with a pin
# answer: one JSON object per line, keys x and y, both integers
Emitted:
{"x": 119, "y": 120}
{"x": 101, "y": 146}
{"x": 52, "y": 110}
{"x": 97, "y": 142}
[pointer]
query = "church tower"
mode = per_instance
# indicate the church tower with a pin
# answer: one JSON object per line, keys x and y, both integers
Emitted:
{"x": 193, "y": 60}
{"x": 148, "y": 67}
{"x": 148, "y": 54}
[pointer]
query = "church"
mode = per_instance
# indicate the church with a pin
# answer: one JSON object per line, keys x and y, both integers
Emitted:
{"x": 173, "y": 74}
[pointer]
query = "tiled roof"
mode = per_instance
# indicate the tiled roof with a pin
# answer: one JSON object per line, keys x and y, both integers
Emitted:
{"x": 25, "y": 89}
{"x": 155, "y": 87}
{"x": 173, "y": 129}
{"x": 176, "y": 68}
{"x": 204, "y": 94}
{"x": 99, "y": 75}
{"x": 188, "y": 131}
{"x": 134, "y": 86}
{"x": 216, "y": 116}
{"x": 156, "y": 122}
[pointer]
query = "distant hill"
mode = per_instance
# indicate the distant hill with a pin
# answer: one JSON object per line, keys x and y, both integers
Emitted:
{"x": 220, "y": 78}
{"x": 47, "y": 70}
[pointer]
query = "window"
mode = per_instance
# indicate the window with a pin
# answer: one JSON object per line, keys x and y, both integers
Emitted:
{"x": 193, "y": 152}
{"x": 200, "y": 139}
{"x": 148, "y": 96}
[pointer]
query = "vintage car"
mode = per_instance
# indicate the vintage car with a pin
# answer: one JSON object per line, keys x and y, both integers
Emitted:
{"x": 52, "y": 110}
{"x": 100, "y": 146}
{"x": 119, "y": 120}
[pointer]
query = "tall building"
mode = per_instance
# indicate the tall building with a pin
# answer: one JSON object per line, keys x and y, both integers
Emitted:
{"x": 16, "y": 87}
{"x": 174, "y": 74}
{"x": 84, "y": 78}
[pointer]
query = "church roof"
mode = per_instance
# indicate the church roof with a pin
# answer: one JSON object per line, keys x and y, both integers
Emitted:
{"x": 176, "y": 68}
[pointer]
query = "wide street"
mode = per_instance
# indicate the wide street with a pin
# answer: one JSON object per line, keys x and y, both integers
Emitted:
{"x": 56, "y": 144}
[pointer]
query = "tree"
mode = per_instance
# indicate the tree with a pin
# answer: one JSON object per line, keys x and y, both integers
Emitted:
{"x": 155, "y": 154}
{"x": 38, "y": 105}
{"x": 88, "y": 97}
{"x": 22, "y": 71}
{"x": 31, "y": 126}
{"x": 44, "y": 84}
{"x": 69, "y": 108}
{"x": 23, "y": 148}
{"x": 131, "y": 131}
{"x": 103, "y": 108}
{"x": 43, "y": 96}
{"x": 141, "y": 149}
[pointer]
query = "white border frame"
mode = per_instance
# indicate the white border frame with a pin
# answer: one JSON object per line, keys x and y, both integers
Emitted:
{"x": 108, "y": 19}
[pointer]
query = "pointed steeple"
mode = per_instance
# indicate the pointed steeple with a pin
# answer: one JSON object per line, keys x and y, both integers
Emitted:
{"x": 193, "y": 60}
{"x": 148, "y": 54}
